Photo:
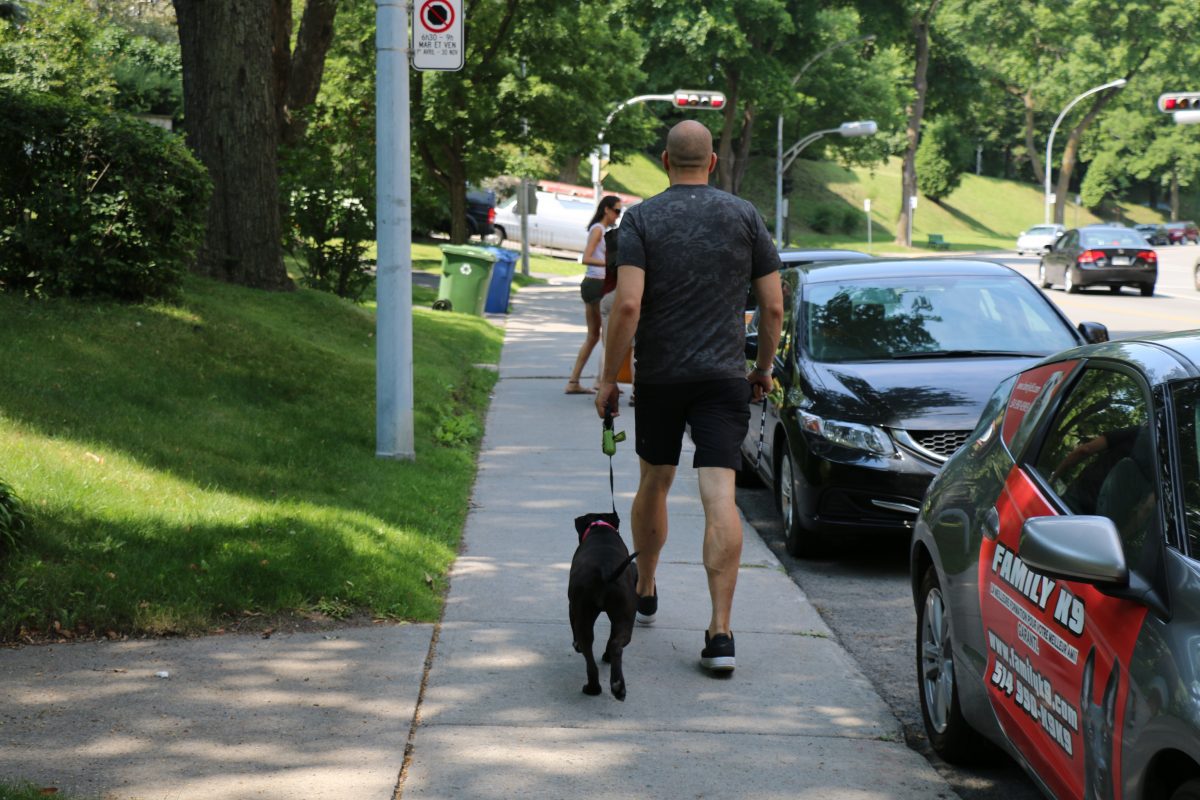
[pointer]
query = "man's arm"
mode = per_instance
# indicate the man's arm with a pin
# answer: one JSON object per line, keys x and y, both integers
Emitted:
{"x": 622, "y": 325}
{"x": 768, "y": 290}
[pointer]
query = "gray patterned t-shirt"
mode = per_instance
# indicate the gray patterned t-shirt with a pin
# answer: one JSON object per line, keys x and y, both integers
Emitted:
{"x": 700, "y": 247}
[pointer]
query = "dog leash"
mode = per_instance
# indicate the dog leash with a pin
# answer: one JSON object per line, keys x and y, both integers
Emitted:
{"x": 608, "y": 443}
{"x": 762, "y": 431}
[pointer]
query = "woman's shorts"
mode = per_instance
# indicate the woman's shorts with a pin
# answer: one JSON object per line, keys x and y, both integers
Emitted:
{"x": 591, "y": 290}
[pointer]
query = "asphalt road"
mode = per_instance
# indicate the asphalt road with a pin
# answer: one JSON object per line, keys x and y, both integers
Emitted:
{"x": 864, "y": 594}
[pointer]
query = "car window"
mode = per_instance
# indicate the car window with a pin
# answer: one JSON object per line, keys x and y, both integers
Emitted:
{"x": 880, "y": 319}
{"x": 1186, "y": 399}
{"x": 1098, "y": 458}
{"x": 1112, "y": 239}
{"x": 1067, "y": 241}
{"x": 1041, "y": 230}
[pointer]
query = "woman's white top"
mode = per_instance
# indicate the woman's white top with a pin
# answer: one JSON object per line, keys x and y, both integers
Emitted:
{"x": 594, "y": 271}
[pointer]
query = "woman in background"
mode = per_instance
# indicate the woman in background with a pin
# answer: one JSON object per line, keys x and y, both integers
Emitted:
{"x": 592, "y": 288}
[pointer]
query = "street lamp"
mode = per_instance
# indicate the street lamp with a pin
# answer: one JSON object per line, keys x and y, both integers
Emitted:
{"x": 779, "y": 168}
{"x": 784, "y": 161}
{"x": 1050, "y": 142}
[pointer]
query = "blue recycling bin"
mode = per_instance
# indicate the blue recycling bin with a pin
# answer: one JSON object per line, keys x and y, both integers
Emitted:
{"x": 502, "y": 278}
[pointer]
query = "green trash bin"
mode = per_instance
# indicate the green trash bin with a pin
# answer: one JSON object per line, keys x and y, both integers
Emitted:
{"x": 466, "y": 272}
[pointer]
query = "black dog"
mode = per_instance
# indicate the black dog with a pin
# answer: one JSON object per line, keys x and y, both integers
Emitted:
{"x": 600, "y": 582}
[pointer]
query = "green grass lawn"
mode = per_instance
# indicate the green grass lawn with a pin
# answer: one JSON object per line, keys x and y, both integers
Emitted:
{"x": 981, "y": 214}
{"x": 186, "y": 465}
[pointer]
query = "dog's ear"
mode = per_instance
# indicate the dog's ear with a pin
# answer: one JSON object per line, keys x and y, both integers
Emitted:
{"x": 582, "y": 523}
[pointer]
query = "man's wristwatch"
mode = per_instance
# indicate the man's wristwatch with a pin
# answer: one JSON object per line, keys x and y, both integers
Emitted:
{"x": 762, "y": 370}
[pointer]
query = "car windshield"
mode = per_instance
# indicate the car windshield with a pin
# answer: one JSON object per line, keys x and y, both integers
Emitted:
{"x": 954, "y": 316}
{"x": 1111, "y": 238}
{"x": 1042, "y": 230}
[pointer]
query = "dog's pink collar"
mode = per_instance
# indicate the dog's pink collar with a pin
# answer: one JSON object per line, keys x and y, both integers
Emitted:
{"x": 593, "y": 525}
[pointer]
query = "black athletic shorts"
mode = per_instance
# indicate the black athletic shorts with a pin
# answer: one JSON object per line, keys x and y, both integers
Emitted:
{"x": 591, "y": 290}
{"x": 718, "y": 412}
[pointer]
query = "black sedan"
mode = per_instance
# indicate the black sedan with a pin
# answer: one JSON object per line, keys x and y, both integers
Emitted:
{"x": 1100, "y": 256}
{"x": 1155, "y": 233}
{"x": 1056, "y": 577}
{"x": 881, "y": 372}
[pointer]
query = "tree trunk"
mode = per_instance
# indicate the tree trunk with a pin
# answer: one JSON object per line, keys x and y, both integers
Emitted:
{"x": 1063, "y": 186}
{"x": 725, "y": 158}
{"x": 1174, "y": 194}
{"x": 912, "y": 132}
{"x": 743, "y": 150}
{"x": 1035, "y": 160}
{"x": 570, "y": 170}
{"x": 229, "y": 108}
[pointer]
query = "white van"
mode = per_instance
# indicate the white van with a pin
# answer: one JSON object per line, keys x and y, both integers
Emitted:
{"x": 558, "y": 218}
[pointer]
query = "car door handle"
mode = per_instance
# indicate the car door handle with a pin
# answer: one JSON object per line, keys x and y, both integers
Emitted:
{"x": 991, "y": 524}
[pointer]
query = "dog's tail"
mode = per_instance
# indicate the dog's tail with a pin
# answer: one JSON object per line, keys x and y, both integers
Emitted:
{"x": 616, "y": 573}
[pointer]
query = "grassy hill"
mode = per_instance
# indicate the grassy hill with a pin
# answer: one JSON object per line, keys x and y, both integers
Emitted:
{"x": 191, "y": 466}
{"x": 982, "y": 214}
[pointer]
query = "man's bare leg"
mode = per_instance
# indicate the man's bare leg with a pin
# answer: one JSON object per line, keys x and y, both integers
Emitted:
{"x": 722, "y": 543}
{"x": 649, "y": 521}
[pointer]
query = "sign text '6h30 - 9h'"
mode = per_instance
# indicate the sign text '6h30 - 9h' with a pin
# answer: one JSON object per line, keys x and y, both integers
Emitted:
{"x": 437, "y": 35}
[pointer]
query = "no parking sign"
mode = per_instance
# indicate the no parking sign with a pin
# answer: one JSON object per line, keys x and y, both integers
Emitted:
{"x": 437, "y": 33}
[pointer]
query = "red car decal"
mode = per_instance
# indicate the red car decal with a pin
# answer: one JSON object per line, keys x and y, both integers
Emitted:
{"x": 1027, "y": 392}
{"x": 1058, "y": 657}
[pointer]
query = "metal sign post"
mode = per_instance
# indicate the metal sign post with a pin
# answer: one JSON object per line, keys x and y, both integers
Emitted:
{"x": 393, "y": 233}
{"x": 437, "y": 35}
{"x": 867, "y": 208}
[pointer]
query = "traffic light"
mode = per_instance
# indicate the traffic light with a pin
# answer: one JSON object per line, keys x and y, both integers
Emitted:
{"x": 1178, "y": 101}
{"x": 690, "y": 98}
{"x": 788, "y": 184}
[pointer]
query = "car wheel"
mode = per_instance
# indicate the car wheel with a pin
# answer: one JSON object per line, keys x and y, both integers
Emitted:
{"x": 1042, "y": 280}
{"x": 801, "y": 543}
{"x": 1187, "y": 791}
{"x": 949, "y": 734}
{"x": 499, "y": 234}
{"x": 1069, "y": 285}
{"x": 1147, "y": 289}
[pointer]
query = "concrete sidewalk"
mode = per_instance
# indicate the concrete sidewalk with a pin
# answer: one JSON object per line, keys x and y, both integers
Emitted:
{"x": 501, "y": 714}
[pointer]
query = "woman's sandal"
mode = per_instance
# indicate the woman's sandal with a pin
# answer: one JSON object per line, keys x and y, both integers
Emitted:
{"x": 574, "y": 387}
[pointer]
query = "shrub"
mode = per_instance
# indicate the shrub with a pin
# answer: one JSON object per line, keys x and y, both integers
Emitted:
{"x": 13, "y": 520}
{"x": 851, "y": 219}
{"x": 94, "y": 203}
{"x": 940, "y": 159}
{"x": 825, "y": 218}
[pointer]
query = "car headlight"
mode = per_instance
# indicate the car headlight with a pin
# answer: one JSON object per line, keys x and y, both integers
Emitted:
{"x": 848, "y": 434}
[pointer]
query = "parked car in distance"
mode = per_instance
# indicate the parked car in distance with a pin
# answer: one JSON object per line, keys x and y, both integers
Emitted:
{"x": 558, "y": 216}
{"x": 1100, "y": 256}
{"x": 1038, "y": 239}
{"x": 1055, "y": 575}
{"x": 481, "y": 212}
{"x": 1183, "y": 232}
{"x": 881, "y": 372}
{"x": 1155, "y": 233}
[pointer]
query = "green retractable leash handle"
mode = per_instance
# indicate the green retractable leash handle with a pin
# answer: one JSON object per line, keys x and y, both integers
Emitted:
{"x": 609, "y": 439}
{"x": 608, "y": 443}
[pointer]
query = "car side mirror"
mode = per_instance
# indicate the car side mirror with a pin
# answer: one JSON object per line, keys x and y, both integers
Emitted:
{"x": 1082, "y": 548}
{"x": 1022, "y": 233}
{"x": 1093, "y": 332}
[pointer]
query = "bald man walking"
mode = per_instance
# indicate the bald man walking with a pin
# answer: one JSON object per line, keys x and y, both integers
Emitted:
{"x": 686, "y": 259}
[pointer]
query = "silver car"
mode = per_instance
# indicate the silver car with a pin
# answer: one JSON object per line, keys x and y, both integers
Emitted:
{"x": 1038, "y": 239}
